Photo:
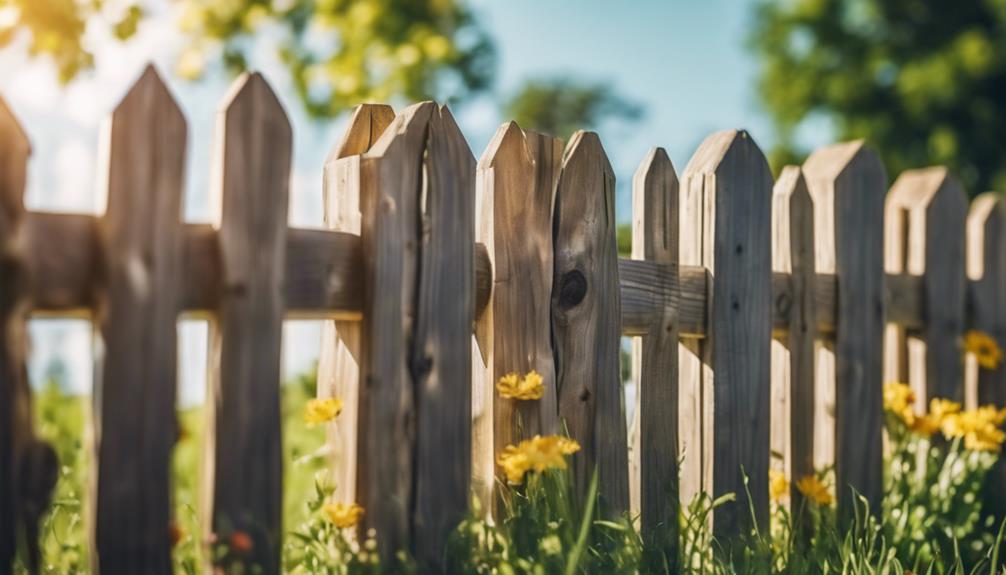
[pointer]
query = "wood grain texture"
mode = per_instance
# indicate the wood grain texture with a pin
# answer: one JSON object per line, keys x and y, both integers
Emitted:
{"x": 391, "y": 176}
{"x": 848, "y": 184}
{"x": 793, "y": 362}
{"x": 338, "y": 370}
{"x": 585, "y": 320}
{"x": 441, "y": 361}
{"x": 519, "y": 170}
{"x": 925, "y": 215}
{"x": 254, "y": 142}
{"x": 655, "y": 238}
{"x": 730, "y": 174}
{"x": 137, "y": 311}
{"x": 986, "y": 269}
{"x": 15, "y": 401}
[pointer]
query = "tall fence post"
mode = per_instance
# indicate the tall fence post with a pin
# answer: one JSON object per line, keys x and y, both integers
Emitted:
{"x": 25, "y": 488}
{"x": 794, "y": 353}
{"x": 655, "y": 238}
{"x": 517, "y": 175}
{"x": 986, "y": 268}
{"x": 925, "y": 213}
{"x": 729, "y": 183}
{"x": 441, "y": 362}
{"x": 338, "y": 368}
{"x": 244, "y": 448}
{"x": 391, "y": 180}
{"x": 586, "y": 320}
{"x": 848, "y": 183}
{"x": 135, "y": 423}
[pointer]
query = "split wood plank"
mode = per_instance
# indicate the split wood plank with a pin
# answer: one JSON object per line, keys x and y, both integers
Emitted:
{"x": 338, "y": 369}
{"x": 391, "y": 183}
{"x": 254, "y": 148}
{"x": 441, "y": 359}
{"x": 848, "y": 183}
{"x": 137, "y": 312}
{"x": 655, "y": 238}
{"x": 518, "y": 174}
{"x": 586, "y": 321}
{"x": 925, "y": 215}
{"x": 986, "y": 268}
{"x": 730, "y": 174}
{"x": 794, "y": 353}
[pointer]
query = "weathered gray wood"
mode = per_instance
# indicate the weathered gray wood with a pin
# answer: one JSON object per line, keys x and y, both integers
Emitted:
{"x": 986, "y": 268}
{"x": 137, "y": 311}
{"x": 519, "y": 171}
{"x": 15, "y": 402}
{"x": 441, "y": 360}
{"x": 338, "y": 371}
{"x": 730, "y": 174}
{"x": 254, "y": 142}
{"x": 925, "y": 214}
{"x": 848, "y": 183}
{"x": 585, "y": 320}
{"x": 793, "y": 362}
{"x": 391, "y": 180}
{"x": 655, "y": 238}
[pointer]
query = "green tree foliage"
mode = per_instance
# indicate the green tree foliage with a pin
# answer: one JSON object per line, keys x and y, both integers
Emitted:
{"x": 922, "y": 80}
{"x": 560, "y": 106}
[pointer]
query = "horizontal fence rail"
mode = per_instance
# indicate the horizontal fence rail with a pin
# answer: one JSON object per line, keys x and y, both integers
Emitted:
{"x": 766, "y": 314}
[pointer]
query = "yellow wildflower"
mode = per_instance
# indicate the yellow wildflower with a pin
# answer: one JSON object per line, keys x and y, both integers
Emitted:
{"x": 778, "y": 486}
{"x": 530, "y": 386}
{"x": 812, "y": 488}
{"x": 984, "y": 347}
{"x": 343, "y": 515}
{"x": 979, "y": 428}
{"x": 537, "y": 454}
{"x": 898, "y": 400}
{"x": 322, "y": 410}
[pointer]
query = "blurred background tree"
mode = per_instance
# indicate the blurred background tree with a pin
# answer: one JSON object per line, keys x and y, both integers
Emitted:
{"x": 339, "y": 52}
{"x": 924, "y": 81}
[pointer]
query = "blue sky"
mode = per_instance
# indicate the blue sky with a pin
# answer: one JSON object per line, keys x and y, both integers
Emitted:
{"x": 685, "y": 62}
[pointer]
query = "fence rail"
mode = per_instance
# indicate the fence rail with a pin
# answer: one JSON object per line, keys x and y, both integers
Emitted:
{"x": 763, "y": 309}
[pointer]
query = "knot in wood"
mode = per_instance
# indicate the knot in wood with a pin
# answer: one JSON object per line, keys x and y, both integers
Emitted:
{"x": 572, "y": 289}
{"x": 783, "y": 303}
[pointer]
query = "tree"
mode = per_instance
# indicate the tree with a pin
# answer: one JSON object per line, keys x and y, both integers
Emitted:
{"x": 924, "y": 81}
{"x": 560, "y": 106}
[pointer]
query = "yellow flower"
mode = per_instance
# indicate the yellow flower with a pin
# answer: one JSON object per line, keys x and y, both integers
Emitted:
{"x": 979, "y": 428}
{"x": 898, "y": 400}
{"x": 343, "y": 515}
{"x": 778, "y": 486}
{"x": 984, "y": 347}
{"x": 530, "y": 386}
{"x": 813, "y": 489}
{"x": 322, "y": 410}
{"x": 537, "y": 454}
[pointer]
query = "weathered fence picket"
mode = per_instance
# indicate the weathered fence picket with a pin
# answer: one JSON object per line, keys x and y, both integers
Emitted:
{"x": 338, "y": 361}
{"x": 655, "y": 445}
{"x": 244, "y": 451}
{"x": 925, "y": 214}
{"x": 135, "y": 427}
{"x": 760, "y": 313}
{"x": 794, "y": 370}
{"x": 848, "y": 184}
{"x": 585, "y": 320}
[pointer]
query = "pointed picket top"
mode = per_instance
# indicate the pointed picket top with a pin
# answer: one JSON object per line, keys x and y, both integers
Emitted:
{"x": 986, "y": 218}
{"x": 365, "y": 127}
{"x": 586, "y": 146}
{"x": 830, "y": 161}
{"x": 15, "y": 148}
{"x": 408, "y": 124}
{"x": 927, "y": 194}
{"x": 253, "y": 98}
{"x": 508, "y": 144}
{"x": 652, "y": 182}
{"x": 717, "y": 148}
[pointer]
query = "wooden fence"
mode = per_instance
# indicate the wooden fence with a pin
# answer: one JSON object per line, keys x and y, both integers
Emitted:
{"x": 760, "y": 308}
